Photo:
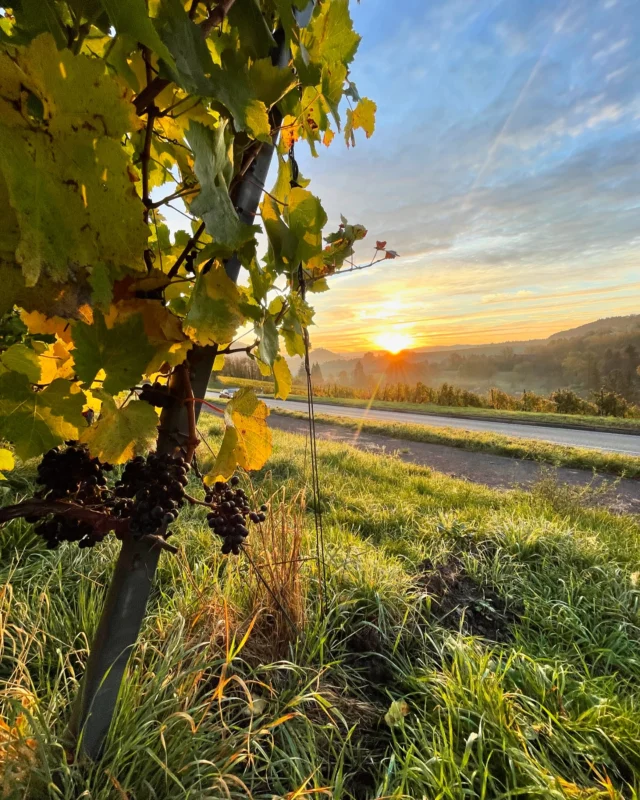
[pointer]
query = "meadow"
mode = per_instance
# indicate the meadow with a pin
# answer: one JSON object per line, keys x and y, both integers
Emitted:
{"x": 469, "y": 643}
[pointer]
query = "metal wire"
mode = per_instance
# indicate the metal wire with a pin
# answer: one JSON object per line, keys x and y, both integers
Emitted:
{"x": 315, "y": 476}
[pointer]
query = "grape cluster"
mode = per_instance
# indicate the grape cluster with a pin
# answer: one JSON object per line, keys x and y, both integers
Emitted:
{"x": 71, "y": 473}
{"x": 189, "y": 262}
{"x": 59, "y": 529}
{"x": 157, "y": 394}
{"x": 229, "y": 512}
{"x": 150, "y": 492}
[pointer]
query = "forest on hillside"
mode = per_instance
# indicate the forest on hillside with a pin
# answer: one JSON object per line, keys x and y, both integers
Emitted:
{"x": 598, "y": 359}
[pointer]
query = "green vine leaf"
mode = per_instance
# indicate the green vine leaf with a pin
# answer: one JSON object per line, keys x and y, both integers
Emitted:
{"x": 34, "y": 422}
{"x": 330, "y": 37}
{"x": 214, "y": 313}
{"x": 268, "y": 335}
{"x": 132, "y": 18}
{"x": 98, "y": 347}
{"x": 65, "y": 171}
{"x": 247, "y": 439}
{"x": 120, "y": 434}
{"x": 214, "y": 169}
{"x": 22, "y": 359}
{"x": 306, "y": 221}
{"x": 187, "y": 45}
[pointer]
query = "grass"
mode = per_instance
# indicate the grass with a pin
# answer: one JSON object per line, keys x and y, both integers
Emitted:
{"x": 557, "y": 455}
{"x": 545, "y": 706}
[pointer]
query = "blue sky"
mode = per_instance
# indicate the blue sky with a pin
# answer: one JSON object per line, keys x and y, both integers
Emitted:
{"x": 505, "y": 169}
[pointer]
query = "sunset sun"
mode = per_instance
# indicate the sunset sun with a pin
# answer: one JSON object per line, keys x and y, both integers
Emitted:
{"x": 393, "y": 341}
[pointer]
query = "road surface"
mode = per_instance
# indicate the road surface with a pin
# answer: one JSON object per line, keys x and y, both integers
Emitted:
{"x": 626, "y": 443}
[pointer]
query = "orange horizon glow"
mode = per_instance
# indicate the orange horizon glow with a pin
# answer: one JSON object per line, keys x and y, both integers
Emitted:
{"x": 394, "y": 341}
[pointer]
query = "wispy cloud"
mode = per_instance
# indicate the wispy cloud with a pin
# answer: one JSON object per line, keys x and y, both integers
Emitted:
{"x": 505, "y": 169}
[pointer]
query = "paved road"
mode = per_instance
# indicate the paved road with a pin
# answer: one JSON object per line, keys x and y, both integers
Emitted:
{"x": 628, "y": 444}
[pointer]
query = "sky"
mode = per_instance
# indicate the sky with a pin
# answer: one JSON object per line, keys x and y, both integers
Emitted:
{"x": 505, "y": 170}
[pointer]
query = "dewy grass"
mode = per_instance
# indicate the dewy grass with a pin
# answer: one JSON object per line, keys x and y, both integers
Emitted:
{"x": 531, "y": 449}
{"x": 548, "y": 707}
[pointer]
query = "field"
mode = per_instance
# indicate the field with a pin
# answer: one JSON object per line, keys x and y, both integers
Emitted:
{"x": 472, "y": 644}
{"x": 629, "y": 425}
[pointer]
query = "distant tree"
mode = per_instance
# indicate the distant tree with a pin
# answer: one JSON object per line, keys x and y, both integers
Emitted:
{"x": 343, "y": 377}
{"x": 359, "y": 376}
{"x": 301, "y": 376}
{"x": 610, "y": 404}
{"x": 316, "y": 374}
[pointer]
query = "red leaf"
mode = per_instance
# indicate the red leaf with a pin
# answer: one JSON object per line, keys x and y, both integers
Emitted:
{"x": 380, "y": 245}
{"x": 391, "y": 254}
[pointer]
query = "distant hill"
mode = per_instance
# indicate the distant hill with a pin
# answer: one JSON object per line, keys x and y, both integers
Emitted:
{"x": 333, "y": 363}
{"x": 607, "y": 325}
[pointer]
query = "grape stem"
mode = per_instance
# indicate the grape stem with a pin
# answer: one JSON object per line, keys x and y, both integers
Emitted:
{"x": 208, "y": 404}
{"x": 102, "y": 523}
{"x": 195, "y": 502}
{"x": 158, "y": 541}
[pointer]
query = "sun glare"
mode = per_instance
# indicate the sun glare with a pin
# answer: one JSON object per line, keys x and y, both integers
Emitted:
{"x": 394, "y": 342}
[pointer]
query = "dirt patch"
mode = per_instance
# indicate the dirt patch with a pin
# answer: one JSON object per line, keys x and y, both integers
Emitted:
{"x": 461, "y": 603}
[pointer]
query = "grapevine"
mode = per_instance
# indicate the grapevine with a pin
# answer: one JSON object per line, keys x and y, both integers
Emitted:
{"x": 111, "y": 323}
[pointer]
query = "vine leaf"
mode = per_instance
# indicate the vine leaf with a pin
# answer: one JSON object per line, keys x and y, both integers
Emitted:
{"x": 270, "y": 82}
{"x": 282, "y": 378}
{"x": 22, "y": 359}
{"x": 253, "y": 31}
{"x": 306, "y": 221}
{"x": 363, "y": 116}
{"x": 7, "y": 462}
{"x": 268, "y": 335}
{"x": 232, "y": 87}
{"x": 330, "y": 37}
{"x": 247, "y": 438}
{"x": 132, "y": 18}
{"x": 214, "y": 171}
{"x": 61, "y": 121}
{"x": 162, "y": 330}
{"x": 120, "y": 434}
{"x": 34, "y": 422}
{"x": 184, "y": 39}
{"x": 41, "y": 16}
{"x": 122, "y": 351}
{"x": 214, "y": 314}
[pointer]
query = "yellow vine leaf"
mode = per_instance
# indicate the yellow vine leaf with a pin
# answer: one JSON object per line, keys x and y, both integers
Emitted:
{"x": 247, "y": 438}
{"x": 214, "y": 313}
{"x": 363, "y": 116}
{"x": 37, "y": 322}
{"x": 7, "y": 462}
{"x": 282, "y": 377}
{"x": 120, "y": 434}
{"x": 62, "y": 118}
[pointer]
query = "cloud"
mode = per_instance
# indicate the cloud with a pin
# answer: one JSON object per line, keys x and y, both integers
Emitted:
{"x": 500, "y": 297}
{"x": 505, "y": 161}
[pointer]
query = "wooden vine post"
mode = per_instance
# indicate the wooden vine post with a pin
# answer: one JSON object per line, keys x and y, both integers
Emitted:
{"x": 110, "y": 111}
